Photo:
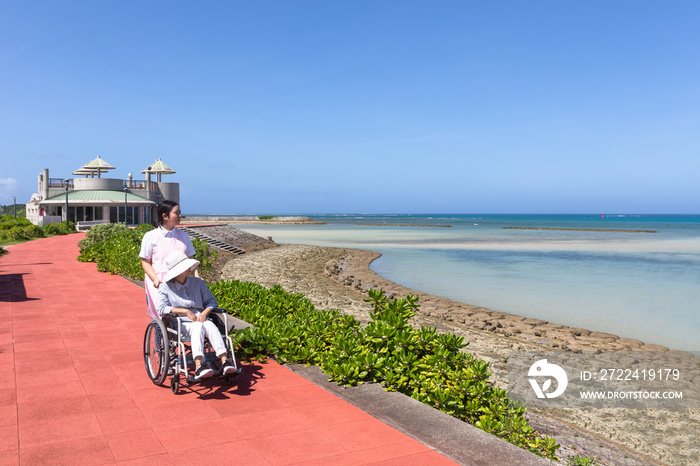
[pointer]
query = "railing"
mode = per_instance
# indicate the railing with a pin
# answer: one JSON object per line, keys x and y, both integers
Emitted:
{"x": 133, "y": 184}
{"x": 136, "y": 184}
{"x": 60, "y": 183}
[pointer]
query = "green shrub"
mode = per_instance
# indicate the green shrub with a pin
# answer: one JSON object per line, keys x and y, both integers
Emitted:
{"x": 51, "y": 229}
{"x": 8, "y": 222}
{"x": 577, "y": 460}
{"x": 115, "y": 248}
{"x": 100, "y": 233}
{"x": 144, "y": 228}
{"x": 17, "y": 233}
{"x": 59, "y": 228}
{"x": 120, "y": 255}
{"x": 420, "y": 363}
{"x": 3, "y": 251}
{"x": 204, "y": 254}
{"x": 34, "y": 231}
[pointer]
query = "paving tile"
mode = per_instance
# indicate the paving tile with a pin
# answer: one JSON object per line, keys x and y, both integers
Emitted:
{"x": 136, "y": 379}
{"x": 134, "y": 444}
{"x": 302, "y": 395}
{"x": 8, "y": 415}
{"x": 101, "y": 382}
{"x": 43, "y": 389}
{"x": 387, "y": 452}
{"x": 42, "y": 431}
{"x": 117, "y": 399}
{"x": 8, "y": 438}
{"x": 218, "y": 431}
{"x": 154, "y": 460}
{"x": 296, "y": 447}
{"x": 28, "y": 363}
{"x": 178, "y": 413}
{"x": 9, "y": 457}
{"x": 421, "y": 459}
{"x": 367, "y": 433}
{"x": 7, "y": 366}
{"x": 49, "y": 346}
{"x": 122, "y": 420}
{"x": 8, "y": 396}
{"x": 54, "y": 410}
{"x": 57, "y": 375}
{"x": 255, "y": 402}
{"x": 336, "y": 411}
{"x": 234, "y": 453}
{"x": 271, "y": 375}
{"x": 152, "y": 395}
{"x": 264, "y": 423}
{"x": 83, "y": 451}
{"x": 133, "y": 366}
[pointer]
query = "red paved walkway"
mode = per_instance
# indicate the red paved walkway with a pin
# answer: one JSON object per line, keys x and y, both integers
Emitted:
{"x": 74, "y": 389}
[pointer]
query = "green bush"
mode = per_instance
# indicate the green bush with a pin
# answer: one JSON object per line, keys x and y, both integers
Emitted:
{"x": 17, "y": 233}
{"x": 19, "y": 229}
{"x": 120, "y": 255}
{"x": 59, "y": 228}
{"x": 204, "y": 254}
{"x": 3, "y": 251}
{"x": 8, "y": 222}
{"x": 420, "y": 363}
{"x": 34, "y": 231}
{"x": 115, "y": 248}
{"x": 143, "y": 229}
{"x": 100, "y": 233}
{"x": 576, "y": 460}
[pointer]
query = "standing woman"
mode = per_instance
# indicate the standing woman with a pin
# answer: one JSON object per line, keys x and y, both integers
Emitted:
{"x": 156, "y": 246}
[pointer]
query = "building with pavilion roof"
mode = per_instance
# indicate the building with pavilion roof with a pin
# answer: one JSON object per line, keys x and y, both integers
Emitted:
{"x": 89, "y": 199}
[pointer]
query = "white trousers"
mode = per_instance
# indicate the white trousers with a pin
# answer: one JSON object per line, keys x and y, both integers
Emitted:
{"x": 197, "y": 331}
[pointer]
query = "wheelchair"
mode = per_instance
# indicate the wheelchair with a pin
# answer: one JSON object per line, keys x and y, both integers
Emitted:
{"x": 166, "y": 351}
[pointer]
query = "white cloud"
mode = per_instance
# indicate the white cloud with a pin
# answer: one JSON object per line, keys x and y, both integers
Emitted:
{"x": 8, "y": 187}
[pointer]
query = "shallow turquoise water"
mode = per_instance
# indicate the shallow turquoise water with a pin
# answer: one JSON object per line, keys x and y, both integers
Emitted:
{"x": 636, "y": 285}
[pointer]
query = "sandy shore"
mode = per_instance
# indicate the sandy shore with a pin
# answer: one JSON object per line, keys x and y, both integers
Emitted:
{"x": 335, "y": 278}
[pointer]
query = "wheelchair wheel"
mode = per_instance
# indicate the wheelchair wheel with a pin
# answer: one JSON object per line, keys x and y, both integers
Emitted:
{"x": 156, "y": 354}
{"x": 175, "y": 383}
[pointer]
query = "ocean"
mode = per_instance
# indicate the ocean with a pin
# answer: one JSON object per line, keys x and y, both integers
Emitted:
{"x": 635, "y": 284}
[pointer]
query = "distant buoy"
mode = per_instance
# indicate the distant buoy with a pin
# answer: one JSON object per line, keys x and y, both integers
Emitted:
{"x": 602, "y": 216}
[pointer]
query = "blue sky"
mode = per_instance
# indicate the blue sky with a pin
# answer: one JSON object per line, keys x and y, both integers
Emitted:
{"x": 361, "y": 106}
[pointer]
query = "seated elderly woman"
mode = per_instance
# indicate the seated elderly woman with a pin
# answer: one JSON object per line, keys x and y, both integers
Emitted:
{"x": 190, "y": 297}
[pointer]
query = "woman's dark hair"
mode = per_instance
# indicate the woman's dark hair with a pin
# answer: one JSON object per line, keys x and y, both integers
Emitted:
{"x": 165, "y": 207}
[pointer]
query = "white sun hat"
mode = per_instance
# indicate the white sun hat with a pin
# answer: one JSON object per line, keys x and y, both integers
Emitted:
{"x": 177, "y": 263}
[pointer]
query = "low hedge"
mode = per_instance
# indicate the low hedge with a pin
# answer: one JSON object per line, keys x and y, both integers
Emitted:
{"x": 420, "y": 363}
{"x": 115, "y": 248}
{"x": 20, "y": 229}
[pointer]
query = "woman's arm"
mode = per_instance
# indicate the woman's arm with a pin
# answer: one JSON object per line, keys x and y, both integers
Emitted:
{"x": 148, "y": 268}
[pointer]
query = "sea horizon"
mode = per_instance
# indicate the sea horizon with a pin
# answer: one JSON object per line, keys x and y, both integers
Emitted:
{"x": 637, "y": 285}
